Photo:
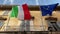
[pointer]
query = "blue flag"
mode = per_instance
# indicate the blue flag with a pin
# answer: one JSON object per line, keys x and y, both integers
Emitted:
{"x": 47, "y": 9}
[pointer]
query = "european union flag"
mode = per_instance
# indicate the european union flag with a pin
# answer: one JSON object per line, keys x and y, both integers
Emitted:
{"x": 47, "y": 9}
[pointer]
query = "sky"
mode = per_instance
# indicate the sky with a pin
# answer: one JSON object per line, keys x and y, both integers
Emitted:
{"x": 29, "y": 2}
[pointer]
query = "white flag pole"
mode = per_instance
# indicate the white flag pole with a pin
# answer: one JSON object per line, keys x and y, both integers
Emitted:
{"x": 37, "y": 3}
{"x": 8, "y": 22}
{"x": 11, "y": 1}
{"x": 42, "y": 20}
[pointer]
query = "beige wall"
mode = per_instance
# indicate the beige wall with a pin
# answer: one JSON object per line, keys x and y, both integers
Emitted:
{"x": 39, "y": 19}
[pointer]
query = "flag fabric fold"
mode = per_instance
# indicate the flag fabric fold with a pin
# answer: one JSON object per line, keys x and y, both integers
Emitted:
{"x": 21, "y": 12}
{"x": 48, "y": 9}
{"x": 27, "y": 15}
{"x": 14, "y": 11}
{"x": 24, "y": 13}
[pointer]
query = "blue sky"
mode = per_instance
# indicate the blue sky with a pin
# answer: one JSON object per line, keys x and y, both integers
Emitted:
{"x": 30, "y": 2}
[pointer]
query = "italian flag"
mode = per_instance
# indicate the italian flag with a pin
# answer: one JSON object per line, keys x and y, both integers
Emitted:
{"x": 21, "y": 12}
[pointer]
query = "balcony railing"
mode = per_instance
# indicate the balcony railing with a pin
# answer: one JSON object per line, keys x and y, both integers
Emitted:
{"x": 24, "y": 28}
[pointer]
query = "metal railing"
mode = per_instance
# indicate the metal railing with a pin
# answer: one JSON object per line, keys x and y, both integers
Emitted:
{"x": 24, "y": 28}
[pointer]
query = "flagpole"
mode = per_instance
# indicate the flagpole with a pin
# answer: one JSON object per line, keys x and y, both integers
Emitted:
{"x": 42, "y": 20}
{"x": 37, "y": 3}
{"x": 8, "y": 21}
{"x": 5, "y": 13}
{"x": 11, "y": 1}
